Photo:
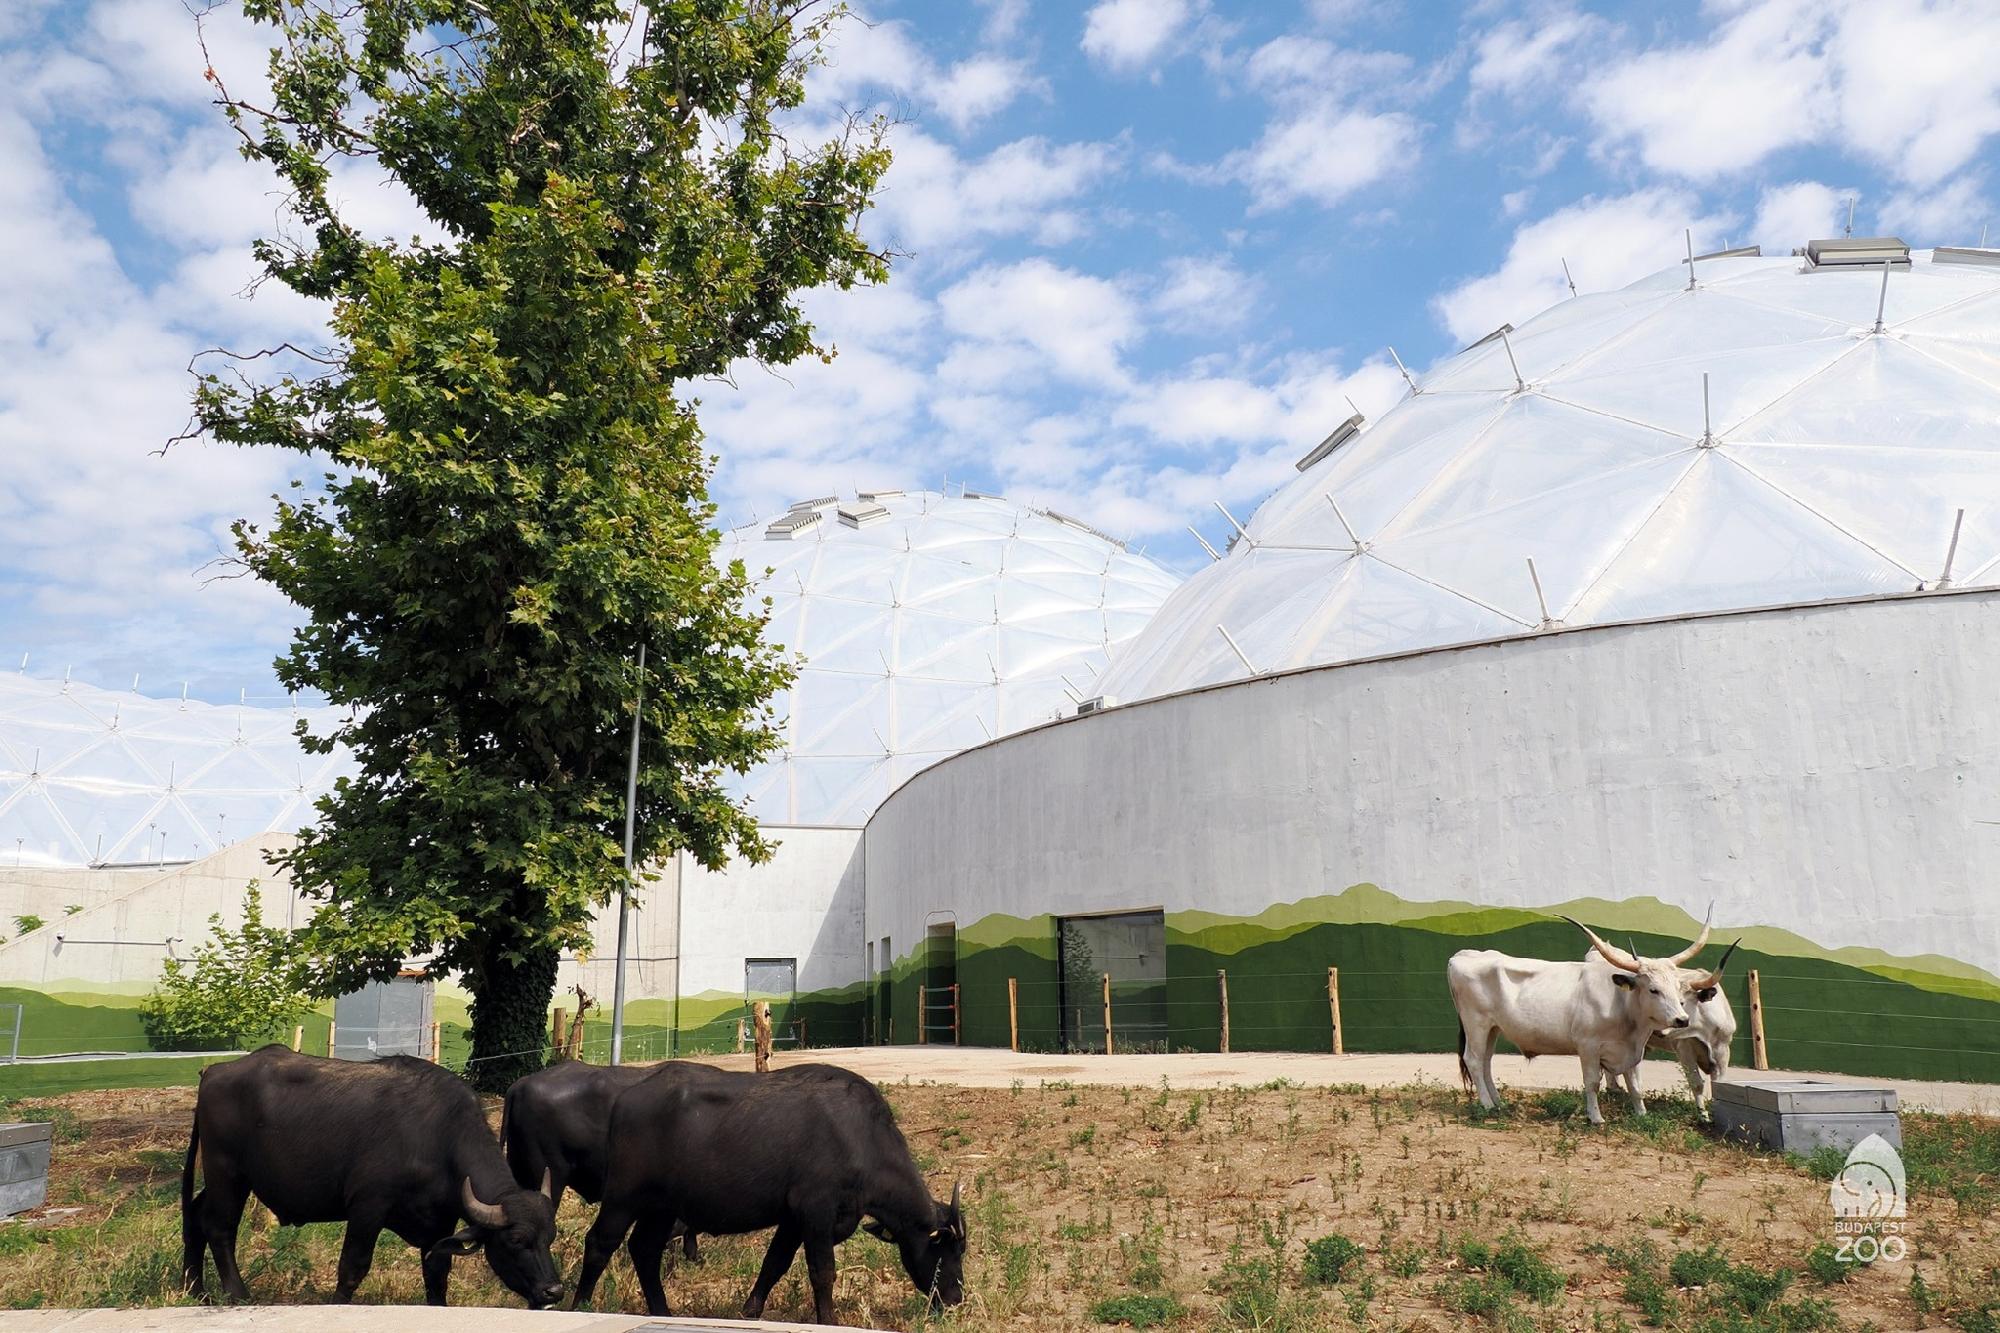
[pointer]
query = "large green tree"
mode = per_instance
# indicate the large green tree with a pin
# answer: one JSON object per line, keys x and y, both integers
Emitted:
{"x": 517, "y": 497}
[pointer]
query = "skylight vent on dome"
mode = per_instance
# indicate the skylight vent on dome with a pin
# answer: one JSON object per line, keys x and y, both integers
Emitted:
{"x": 817, "y": 502}
{"x": 1844, "y": 252}
{"x": 1342, "y": 433}
{"x": 791, "y": 525}
{"x": 969, "y": 494}
{"x": 1735, "y": 252}
{"x": 862, "y": 514}
{"x": 1070, "y": 522}
{"x": 1965, "y": 254}
{"x": 879, "y": 495}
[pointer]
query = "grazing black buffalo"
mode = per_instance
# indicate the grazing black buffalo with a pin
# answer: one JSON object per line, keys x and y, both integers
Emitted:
{"x": 555, "y": 1125}
{"x": 812, "y": 1152}
{"x": 398, "y": 1144}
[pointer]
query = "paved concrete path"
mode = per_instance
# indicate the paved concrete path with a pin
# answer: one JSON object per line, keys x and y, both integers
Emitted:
{"x": 361, "y": 1319}
{"x": 979, "y": 1067}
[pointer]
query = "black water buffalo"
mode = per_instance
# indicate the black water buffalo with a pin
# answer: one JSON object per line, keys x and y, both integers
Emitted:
{"x": 555, "y": 1123}
{"x": 813, "y": 1152}
{"x": 398, "y": 1144}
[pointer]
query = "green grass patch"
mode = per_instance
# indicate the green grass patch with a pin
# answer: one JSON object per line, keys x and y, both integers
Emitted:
{"x": 1138, "y": 1310}
{"x": 1331, "y": 1258}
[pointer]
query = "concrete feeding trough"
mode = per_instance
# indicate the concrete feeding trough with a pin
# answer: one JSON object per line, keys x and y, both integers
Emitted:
{"x": 24, "y": 1167}
{"x": 1798, "y": 1115}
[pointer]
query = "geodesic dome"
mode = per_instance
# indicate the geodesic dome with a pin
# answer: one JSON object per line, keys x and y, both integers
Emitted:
{"x": 924, "y": 624}
{"x": 94, "y": 777}
{"x": 1755, "y": 439}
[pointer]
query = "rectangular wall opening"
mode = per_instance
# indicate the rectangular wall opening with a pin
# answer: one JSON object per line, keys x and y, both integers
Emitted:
{"x": 940, "y": 980}
{"x": 775, "y": 981}
{"x": 1132, "y": 948}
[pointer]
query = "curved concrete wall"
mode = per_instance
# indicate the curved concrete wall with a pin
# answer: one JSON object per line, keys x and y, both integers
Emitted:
{"x": 1828, "y": 776}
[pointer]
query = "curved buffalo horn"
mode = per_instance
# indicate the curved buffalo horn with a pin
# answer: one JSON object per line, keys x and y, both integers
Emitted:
{"x": 1715, "y": 978}
{"x": 1611, "y": 953}
{"x": 1699, "y": 940}
{"x": 547, "y": 1179}
{"x": 955, "y": 1219}
{"x": 480, "y": 1214}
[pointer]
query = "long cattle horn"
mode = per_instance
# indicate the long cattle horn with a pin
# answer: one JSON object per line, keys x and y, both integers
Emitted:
{"x": 1715, "y": 978}
{"x": 481, "y": 1214}
{"x": 1699, "y": 940}
{"x": 548, "y": 1193}
{"x": 1611, "y": 953}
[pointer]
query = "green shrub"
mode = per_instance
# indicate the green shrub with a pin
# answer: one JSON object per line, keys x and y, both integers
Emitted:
{"x": 1753, "y": 1291}
{"x": 1699, "y": 1268}
{"x": 240, "y": 988}
{"x": 1329, "y": 1258}
{"x": 1138, "y": 1311}
{"x": 1825, "y": 1263}
{"x": 25, "y": 924}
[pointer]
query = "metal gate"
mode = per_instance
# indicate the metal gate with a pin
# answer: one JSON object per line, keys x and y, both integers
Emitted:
{"x": 1132, "y": 948}
{"x": 776, "y": 982}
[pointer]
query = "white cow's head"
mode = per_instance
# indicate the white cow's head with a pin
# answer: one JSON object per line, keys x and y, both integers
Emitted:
{"x": 1659, "y": 996}
{"x": 1709, "y": 1015}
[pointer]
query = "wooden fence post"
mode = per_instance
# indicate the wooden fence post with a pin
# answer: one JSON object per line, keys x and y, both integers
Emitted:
{"x": 1013, "y": 1014}
{"x": 1333, "y": 1008}
{"x": 331, "y": 1028}
{"x": 761, "y": 1015}
{"x": 1107, "y": 1013}
{"x": 298, "y": 1035}
{"x": 557, "y": 1033}
{"x": 1222, "y": 980}
{"x": 923, "y": 1015}
{"x": 437, "y": 1043}
{"x": 954, "y": 1015}
{"x": 742, "y": 1038}
{"x": 802, "y": 1032}
{"x": 1760, "y": 1057}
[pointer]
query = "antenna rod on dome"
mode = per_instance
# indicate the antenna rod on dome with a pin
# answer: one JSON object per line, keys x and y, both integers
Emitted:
{"x": 1540, "y": 600}
{"x": 1345, "y": 526}
{"x": 1851, "y": 201}
{"x": 1248, "y": 665}
{"x": 1568, "y": 279}
{"x": 1707, "y": 431}
{"x": 1520, "y": 385}
{"x": 1951, "y": 552}
{"x": 1689, "y": 233}
{"x": 1204, "y": 542}
{"x": 1232, "y": 521}
{"x": 1882, "y": 301}
{"x": 24, "y": 663}
{"x": 1351, "y": 403}
{"x": 1407, "y": 377}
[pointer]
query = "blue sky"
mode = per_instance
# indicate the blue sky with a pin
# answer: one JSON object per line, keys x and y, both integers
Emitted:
{"x": 1152, "y": 248}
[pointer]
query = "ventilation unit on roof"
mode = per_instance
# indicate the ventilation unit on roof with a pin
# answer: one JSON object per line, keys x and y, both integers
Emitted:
{"x": 879, "y": 495}
{"x": 1096, "y": 704}
{"x": 1481, "y": 342}
{"x": 970, "y": 494}
{"x": 1342, "y": 433}
{"x": 791, "y": 525}
{"x": 1857, "y": 252}
{"x": 862, "y": 514}
{"x": 1081, "y": 526}
{"x": 1965, "y": 254}
{"x": 1738, "y": 252}
{"x": 814, "y": 503}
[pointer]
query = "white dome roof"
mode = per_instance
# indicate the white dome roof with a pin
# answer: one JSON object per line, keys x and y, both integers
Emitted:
{"x": 1821, "y": 459}
{"x": 938, "y": 623}
{"x": 92, "y": 776}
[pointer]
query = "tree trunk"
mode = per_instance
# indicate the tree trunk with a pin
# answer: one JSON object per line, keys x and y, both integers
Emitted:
{"x": 510, "y": 1008}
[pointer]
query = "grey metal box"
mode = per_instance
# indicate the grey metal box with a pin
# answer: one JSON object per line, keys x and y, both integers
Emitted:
{"x": 24, "y": 1167}
{"x": 1802, "y": 1115}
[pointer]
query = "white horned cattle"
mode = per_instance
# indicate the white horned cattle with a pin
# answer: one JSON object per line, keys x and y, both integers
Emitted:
{"x": 1603, "y": 1017}
{"x": 1702, "y": 1046}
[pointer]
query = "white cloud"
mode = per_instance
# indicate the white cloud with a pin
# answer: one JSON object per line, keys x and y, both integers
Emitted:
{"x": 1952, "y": 214}
{"x": 1607, "y": 242}
{"x": 974, "y": 89}
{"x": 1076, "y": 325}
{"x": 934, "y": 198}
{"x": 1520, "y": 56}
{"x": 1515, "y": 202}
{"x": 1323, "y": 154}
{"x": 867, "y": 58}
{"x": 1790, "y": 215}
{"x": 1919, "y": 83}
{"x": 1130, "y": 35}
{"x": 1718, "y": 107}
{"x": 1199, "y": 294}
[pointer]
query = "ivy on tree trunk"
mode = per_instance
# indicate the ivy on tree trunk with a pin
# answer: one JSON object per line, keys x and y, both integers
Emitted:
{"x": 516, "y": 495}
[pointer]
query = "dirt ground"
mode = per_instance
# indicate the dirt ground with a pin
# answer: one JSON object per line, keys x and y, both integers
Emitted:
{"x": 1198, "y": 1208}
